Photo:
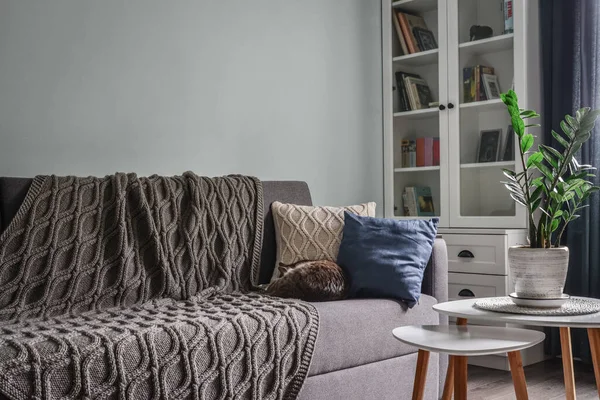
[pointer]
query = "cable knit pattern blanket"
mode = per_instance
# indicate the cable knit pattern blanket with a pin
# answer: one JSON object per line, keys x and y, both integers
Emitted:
{"x": 138, "y": 288}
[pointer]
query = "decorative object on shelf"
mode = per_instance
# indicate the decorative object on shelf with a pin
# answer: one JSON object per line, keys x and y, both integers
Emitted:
{"x": 507, "y": 7}
{"x": 509, "y": 145}
{"x": 492, "y": 89}
{"x": 540, "y": 269}
{"x": 489, "y": 145}
{"x": 425, "y": 39}
{"x": 478, "y": 32}
{"x": 418, "y": 201}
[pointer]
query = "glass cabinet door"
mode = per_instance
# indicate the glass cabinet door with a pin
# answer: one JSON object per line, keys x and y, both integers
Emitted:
{"x": 419, "y": 44}
{"x": 481, "y": 65}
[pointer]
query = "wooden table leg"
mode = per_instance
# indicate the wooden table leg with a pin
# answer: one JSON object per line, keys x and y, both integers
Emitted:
{"x": 518, "y": 375}
{"x": 449, "y": 384}
{"x": 567, "y": 360}
{"x": 420, "y": 375}
{"x": 460, "y": 378}
{"x": 594, "y": 336}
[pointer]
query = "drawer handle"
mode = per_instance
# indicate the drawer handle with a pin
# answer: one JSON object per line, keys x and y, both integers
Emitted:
{"x": 466, "y": 293}
{"x": 466, "y": 254}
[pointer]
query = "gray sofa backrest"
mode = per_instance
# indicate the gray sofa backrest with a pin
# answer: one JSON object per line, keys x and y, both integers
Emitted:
{"x": 13, "y": 191}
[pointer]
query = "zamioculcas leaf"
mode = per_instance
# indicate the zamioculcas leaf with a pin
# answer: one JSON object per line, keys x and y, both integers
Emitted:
{"x": 567, "y": 129}
{"x": 555, "y": 223}
{"x": 526, "y": 142}
{"x": 560, "y": 139}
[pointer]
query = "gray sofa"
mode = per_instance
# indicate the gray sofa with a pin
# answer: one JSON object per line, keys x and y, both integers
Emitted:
{"x": 355, "y": 355}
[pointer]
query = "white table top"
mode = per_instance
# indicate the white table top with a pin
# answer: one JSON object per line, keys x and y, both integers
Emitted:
{"x": 468, "y": 340}
{"x": 465, "y": 309}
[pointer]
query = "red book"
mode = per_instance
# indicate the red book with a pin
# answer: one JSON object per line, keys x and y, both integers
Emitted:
{"x": 436, "y": 151}
{"x": 420, "y": 152}
{"x": 429, "y": 152}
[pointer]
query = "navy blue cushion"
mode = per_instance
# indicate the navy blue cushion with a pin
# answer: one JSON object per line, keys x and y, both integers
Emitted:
{"x": 386, "y": 257}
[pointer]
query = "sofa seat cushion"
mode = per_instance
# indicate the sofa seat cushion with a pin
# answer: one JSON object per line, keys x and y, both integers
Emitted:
{"x": 359, "y": 331}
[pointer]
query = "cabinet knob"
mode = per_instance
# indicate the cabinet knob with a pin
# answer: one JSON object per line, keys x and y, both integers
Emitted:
{"x": 466, "y": 254}
{"x": 450, "y": 105}
{"x": 466, "y": 293}
{"x": 442, "y": 107}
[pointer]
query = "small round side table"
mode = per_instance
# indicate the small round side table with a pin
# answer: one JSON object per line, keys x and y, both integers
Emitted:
{"x": 464, "y": 341}
{"x": 464, "y": 310}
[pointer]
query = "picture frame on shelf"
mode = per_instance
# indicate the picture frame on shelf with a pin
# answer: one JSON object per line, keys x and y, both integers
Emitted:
{"x": 509, "y": 145}
{"x": 425, "y": 39}
{"x": 489, "y": 145}
{"x": 492, "y": 88}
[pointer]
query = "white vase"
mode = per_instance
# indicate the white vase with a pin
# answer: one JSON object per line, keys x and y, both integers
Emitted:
{"x": 538, "y": 273}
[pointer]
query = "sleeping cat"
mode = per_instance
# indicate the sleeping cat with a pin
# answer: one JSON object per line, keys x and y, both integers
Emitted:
{"x": 310, "y": 281}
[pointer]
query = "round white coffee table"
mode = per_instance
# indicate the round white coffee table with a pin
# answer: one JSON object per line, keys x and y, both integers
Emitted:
{"x": 463, "y": 341}
{"x": 464, "y": 310}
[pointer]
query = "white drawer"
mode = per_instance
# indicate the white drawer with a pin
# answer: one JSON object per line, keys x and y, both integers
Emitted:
{"x": 477, "y": 254}
{"x": 462, "y": 286}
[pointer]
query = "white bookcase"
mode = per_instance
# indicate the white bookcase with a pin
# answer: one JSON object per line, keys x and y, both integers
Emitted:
{"x": 478, "y": 218}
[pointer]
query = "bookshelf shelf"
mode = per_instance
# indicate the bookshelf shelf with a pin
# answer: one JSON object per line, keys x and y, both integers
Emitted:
{"x": 418, "y": 169}
{"x": 497, "y": 164}
{"x": 428, "y": 57}
{"x": 424, "y": 113}
{"x": 485, "y": 105}
{"x": 416, "y": 6}
{"x": 486, "y": 46}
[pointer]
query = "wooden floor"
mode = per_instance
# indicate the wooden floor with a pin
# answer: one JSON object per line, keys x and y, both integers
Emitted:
{"x": 544, "y": 382}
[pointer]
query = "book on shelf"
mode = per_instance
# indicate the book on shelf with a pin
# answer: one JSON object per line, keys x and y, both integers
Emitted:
{"x": 414, "y": 35}
{"x": 418, "y": 201}
{"x": 419, "y": 93}
{"x": 473, "y": 83}
{"x": 409, "y": 153}
{"x": 436, "y": 151}
{"x": 403, "y": 47}
{"x": 422, "y": 152}
{"x": 403, "y": 98}
{"x": 507, "y": 8}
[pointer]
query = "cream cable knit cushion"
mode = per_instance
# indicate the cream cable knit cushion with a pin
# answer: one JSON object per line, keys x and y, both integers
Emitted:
{"x": 308, "y": 233}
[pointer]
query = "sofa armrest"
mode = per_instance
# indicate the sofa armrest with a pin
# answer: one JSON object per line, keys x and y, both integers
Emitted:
{"x": 435, "y": 281}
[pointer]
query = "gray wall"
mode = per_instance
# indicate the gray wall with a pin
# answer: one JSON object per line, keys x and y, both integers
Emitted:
{"x": 272, "y": 88}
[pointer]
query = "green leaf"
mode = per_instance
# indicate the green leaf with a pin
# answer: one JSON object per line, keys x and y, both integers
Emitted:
{"x": 539, "y": 181}
{"x": 567, "y": 130}
{"x": 529, "y": 114}
{"x": 534, "y": 158}
{"x": 526, "y": 142}
{"x": 544, "y": 170}
{"x": 560, "y": 139}
{"x": 555, "y": 223}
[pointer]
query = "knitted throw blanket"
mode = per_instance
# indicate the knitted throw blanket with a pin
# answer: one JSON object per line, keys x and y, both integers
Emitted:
{"x": 138, "y": 288}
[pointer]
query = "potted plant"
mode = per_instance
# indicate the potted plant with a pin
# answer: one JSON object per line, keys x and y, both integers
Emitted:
{"x": 553, "y": 187}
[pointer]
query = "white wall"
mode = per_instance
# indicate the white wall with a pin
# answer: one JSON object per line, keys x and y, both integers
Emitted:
{"x": 273, "y": 88}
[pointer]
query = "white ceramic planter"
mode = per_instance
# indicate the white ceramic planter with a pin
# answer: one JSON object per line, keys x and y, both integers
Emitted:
{"x": 538, "y": 273}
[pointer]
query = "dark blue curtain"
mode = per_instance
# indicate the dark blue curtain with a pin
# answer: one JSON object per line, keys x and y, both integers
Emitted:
{"x": 570, "y": 38}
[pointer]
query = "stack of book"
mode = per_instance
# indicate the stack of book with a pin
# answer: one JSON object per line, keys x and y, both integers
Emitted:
{"x": 413, "y": 34}
{"x": 418, "y": 201}
{"x": 423, "y": 152}
{"x": 413, "y": 91}
{"x": 479, "y": 84}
